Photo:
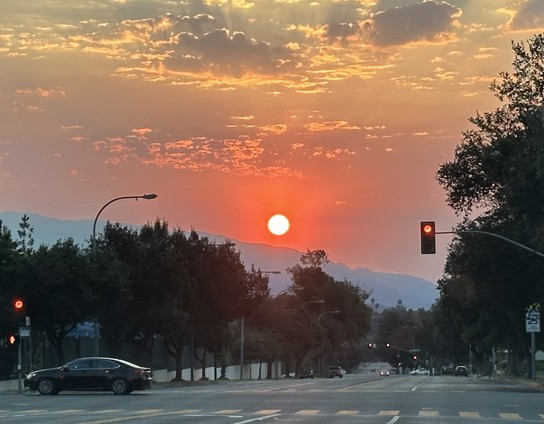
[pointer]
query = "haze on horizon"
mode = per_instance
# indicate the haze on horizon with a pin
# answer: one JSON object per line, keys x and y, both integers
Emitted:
{"x": 335, "y": 113}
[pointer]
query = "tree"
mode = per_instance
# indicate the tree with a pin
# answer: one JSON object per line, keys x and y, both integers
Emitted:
{"x": 56, "y": 284}
{"x": 8, "y": 258}
{"x": 25, "y": 231}
{"x": 345, "y": 318}
{"x": 497, "y": 172}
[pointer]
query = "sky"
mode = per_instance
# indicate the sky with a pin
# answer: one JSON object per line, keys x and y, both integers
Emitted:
{"x": 335, "y": 113}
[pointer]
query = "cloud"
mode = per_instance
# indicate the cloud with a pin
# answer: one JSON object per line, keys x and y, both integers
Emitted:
{"x": 427, "y": 21}
{"x": 245, "y": 156}
{"x": 229, "y": 52}
{"x": 330, "y": 126}
{"x": 529, "y": 16}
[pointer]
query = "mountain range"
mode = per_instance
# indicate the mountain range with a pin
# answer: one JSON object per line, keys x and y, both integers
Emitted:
{"x": 385, "y": 289}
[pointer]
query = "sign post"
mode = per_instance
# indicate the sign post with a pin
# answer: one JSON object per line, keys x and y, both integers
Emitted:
{"x": 532, "y": 325}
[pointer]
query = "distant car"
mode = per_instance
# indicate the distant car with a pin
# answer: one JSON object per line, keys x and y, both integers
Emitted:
{"x": 384, "y": 373}
{"x": 461, "y": 370}
{"x": 420, "y": 371}
{"x": 307, "y": 374}
{"x": 336, "y": 371}
{"x": 94, "y": 373}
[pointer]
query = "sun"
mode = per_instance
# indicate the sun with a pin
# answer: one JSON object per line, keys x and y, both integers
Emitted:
{"x": 278, "y": 225}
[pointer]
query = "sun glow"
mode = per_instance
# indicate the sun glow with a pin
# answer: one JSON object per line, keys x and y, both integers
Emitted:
{"x": 278, "y": 225}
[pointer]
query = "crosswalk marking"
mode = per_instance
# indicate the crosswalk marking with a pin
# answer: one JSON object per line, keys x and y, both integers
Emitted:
{"x": 267, "y": 411}
{"x": 307, "y": 412}
{"x": 228, "y": 411}
{"x": 510, "y": 416}
{"x": 426, "y": 413}
{"x": 347, "y": 412}
{"x": 466, "y": 414}
{"x": 69, "y": 411}
{"x": 389, "y": 413}
{"x": 394, "y": 414}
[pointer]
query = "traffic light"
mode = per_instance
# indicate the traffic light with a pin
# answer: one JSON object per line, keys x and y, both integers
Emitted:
{"x": 18, "y": 305}
{"x": 13, "y": 339}
{"x": 414, "y": 358}
{"x": 428, "y": 235}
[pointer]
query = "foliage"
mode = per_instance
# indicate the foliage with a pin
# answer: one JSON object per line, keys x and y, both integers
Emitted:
{"x": 498, "y": 174}
{"x": 55, "y": 282}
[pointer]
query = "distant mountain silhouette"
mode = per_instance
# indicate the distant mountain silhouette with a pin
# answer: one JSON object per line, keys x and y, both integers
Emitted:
{"x": 384, "y": 288}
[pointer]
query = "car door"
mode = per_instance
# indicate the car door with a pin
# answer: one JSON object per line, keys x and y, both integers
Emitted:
{"x": 105, "y": 371}
{"x": 76, "y": 374}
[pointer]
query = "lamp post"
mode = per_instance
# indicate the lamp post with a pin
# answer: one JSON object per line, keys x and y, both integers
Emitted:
{"x": 149, "y": 196}
{"x": 323, "y": 333}
{"x": 323, "y": 314}
{"x": 145, "y": 196}
{"x": 307, "y": 303}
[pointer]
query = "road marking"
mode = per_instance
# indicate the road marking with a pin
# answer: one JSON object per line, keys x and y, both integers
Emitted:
{"x": 415, "y": 387}
{"x": 510, "y": 416}
{"x": 393, "y": 420}
{"x": 428, "y": 413}
{"x": 388, "y": 413}
{"x": 466, "y": 414}
{"x": 347, "y": 412}
{"x": 366, "y": 383}
{"x": 267, "y": 411}
{"x": 307, "y": 412}
{"x": 228, "y": 411}
{"x": 283, "y": 387}
{"x": 69, "y": 411}
{"x": 257, "y": 419}
{"x": 188, "y": 411}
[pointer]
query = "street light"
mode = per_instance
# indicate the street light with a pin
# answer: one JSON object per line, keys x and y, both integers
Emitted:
{"x": 322, "y": 333}
{"x": 149, "y": 196}
{"x": 323, "y": 314}
{"x": 307, "y": 303}
{"x": 145, "y": 196}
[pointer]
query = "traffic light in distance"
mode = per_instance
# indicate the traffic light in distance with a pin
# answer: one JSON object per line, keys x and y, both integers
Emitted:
{"x": 18, "y": 305}
{"x": 428, "y": 236}
{"x": 12, "y": 339}
{"x": 414, "y": 358}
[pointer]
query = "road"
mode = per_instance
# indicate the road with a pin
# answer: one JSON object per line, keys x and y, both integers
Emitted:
{"x": 370, "y": 399}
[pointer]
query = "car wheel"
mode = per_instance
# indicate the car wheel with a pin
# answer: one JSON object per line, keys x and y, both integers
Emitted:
{"x": 120, "y": 387}
{"x": 46, "y": 386}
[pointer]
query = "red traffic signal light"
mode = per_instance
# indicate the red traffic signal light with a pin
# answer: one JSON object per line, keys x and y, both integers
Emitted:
{"x": 12, "y": 339}
{"x": 414, "y": 358}
{"x": 428, "y": 235}
{"x": 18, "y": 305}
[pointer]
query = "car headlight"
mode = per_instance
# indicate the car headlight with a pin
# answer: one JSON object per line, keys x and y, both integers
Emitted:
{"x": 31, "y": 375}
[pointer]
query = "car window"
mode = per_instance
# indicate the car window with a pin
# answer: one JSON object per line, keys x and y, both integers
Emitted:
{"x": 79, "y": 364}
{"x": 104, "y": 364}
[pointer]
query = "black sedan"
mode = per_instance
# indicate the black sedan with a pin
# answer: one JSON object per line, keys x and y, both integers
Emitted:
{"x": 97, "y": 373}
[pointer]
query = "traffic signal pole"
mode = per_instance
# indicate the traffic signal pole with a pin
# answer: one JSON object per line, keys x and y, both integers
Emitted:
{"x": 530, "y": 249}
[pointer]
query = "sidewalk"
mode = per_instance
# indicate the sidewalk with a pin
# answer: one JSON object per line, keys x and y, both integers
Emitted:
{"x": 10, "y": 385}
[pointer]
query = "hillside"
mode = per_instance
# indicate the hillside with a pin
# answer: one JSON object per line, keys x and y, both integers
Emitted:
{"x": 386, "y": 289}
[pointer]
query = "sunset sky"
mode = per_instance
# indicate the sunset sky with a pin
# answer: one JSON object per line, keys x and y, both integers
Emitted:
{"x": 336, "y": 113}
